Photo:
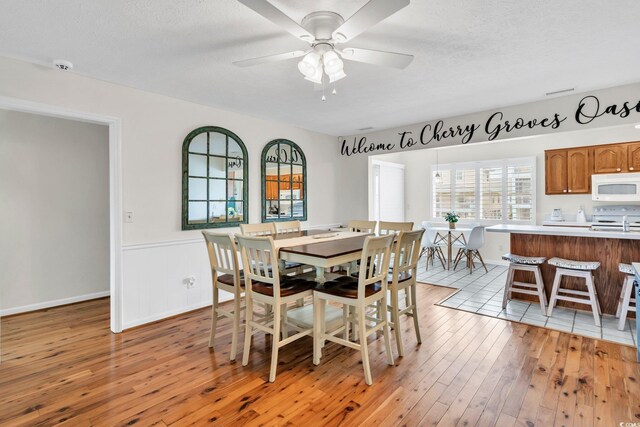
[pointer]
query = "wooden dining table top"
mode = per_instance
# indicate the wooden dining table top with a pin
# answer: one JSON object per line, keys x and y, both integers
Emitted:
{"x": 328, "y": 249}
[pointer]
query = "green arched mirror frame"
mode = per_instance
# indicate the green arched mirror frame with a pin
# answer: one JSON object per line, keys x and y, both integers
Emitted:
{"x": 284, "y": 182}
{"x": 214, "y": 179}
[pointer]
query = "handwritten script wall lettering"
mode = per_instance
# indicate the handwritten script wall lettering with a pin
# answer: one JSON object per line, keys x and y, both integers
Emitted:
{"x": 494, "y": 127}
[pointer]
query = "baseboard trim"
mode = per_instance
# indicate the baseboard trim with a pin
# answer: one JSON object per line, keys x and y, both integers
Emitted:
{"x": 171, "y": 313}
{"x": 53, "y": 303}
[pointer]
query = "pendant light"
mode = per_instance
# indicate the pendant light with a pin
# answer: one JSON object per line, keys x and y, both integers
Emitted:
{"x": 437, "y": 179}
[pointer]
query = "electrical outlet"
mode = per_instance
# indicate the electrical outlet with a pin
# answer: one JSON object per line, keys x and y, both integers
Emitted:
{"x": 128, "y": 217}
{"x": 191, "y": 282}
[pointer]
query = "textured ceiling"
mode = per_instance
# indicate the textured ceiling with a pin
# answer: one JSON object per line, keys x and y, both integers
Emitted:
{"x": 470, "y": 55}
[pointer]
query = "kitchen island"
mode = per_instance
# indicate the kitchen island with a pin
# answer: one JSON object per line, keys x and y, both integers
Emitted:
{"x": 581, "y": 244}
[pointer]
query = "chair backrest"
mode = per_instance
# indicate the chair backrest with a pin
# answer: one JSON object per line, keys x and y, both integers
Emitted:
{"x": 288, "y": 227}
{"x": 386, "y": 227}
{"x": 406, "y": 253}
{"x": 374, "y": 264}
{"x": 429, "y": 235}
{"x": 363, "y": 226}
{"x": 260, "y": 261}
{"x": 223, "y": 255}
{"x": 476, "y": 238}
{"x": 264, "y": 229}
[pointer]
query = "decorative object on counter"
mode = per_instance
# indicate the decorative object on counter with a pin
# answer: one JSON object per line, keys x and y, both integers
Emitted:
{"x": 626, "y": 302}
{"x": 524, "y": 263}
{"x": 580, "y": 216}
{"x": 556, "y": 215}
{"x": 581, "y": 269}
{"x": 451, "y": 218}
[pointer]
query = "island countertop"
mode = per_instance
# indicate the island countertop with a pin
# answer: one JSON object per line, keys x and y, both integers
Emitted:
{"x": 563, "y": 231}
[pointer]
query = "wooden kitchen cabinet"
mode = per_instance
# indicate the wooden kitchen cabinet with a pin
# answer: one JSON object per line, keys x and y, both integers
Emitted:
{"x": 555, "y": 172}
{"x": 578, "y": 171}
{"x": 610, "y": 158}
{"x": 568, "y": 171}
{"x": 633, "y": 156}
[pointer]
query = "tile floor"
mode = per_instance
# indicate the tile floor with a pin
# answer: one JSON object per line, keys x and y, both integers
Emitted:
{"x": 482, "y": 293}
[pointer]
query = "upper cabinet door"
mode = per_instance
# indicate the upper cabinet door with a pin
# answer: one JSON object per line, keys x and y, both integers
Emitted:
{"x": 578, "y": 171}
{"x": 556, "y": 172}
{"x": 633, "y": 156}
{"x": 610, "y": 158}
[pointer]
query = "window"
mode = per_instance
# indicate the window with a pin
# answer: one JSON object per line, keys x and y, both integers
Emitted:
{"x": 491, "y": 191}
{"x": 284, "y": 182}
{"x": 214, "y": 179}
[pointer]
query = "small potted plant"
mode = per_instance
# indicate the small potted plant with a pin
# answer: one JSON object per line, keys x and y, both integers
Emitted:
{"x": 451, "y": 218}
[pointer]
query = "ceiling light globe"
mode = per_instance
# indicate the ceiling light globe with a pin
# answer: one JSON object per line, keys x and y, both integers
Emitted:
{"x": 332, "y": 63}
{"x": 309, "y": 64}
{"x": 437, "y": 179}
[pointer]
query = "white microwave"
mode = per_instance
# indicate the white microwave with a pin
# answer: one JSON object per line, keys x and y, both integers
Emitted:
{"x": 616, "y": 187}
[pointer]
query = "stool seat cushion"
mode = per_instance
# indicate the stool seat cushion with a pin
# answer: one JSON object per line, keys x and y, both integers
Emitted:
{"x": 519, "y": 259}
{"x": 626, "y": 269}
{"x": 227, "y": 279}
{"x": 289, "y": 285}
{"x": 574, "y": 265}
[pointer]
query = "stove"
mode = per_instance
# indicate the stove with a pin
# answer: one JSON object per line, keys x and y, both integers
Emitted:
{"x": 610, "y": 218}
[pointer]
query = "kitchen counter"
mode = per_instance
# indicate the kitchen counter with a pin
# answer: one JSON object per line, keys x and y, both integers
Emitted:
{"x": 581, "y": 244}
{"x": 567, "y": 223}
{"x": 563, "y": 231}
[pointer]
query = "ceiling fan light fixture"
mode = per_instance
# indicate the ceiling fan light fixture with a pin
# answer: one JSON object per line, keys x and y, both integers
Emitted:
{"x": 316, "y": 77}
{"x": 332, "y": 63}
{"x": 310, "y": 64}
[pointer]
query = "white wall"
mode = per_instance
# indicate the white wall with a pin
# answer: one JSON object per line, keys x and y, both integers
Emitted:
{"x": 54, "y": 199}
{"x": 153, "y": 129}
{"x": 418, "y": 169}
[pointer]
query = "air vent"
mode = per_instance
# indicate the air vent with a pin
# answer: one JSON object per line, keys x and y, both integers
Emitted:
{"x": 560, "y": 91}
{"x": 367, "y": 128}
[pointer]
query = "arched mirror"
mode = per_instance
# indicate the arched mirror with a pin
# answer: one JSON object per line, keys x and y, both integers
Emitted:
{"x": 214, "y": 179}
{"x": 284, "y": 182}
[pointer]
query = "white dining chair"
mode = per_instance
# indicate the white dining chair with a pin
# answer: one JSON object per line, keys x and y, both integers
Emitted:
{"x": 403, "y": 278}
{"x": 264, "y": 284}
{"x": 388, "y": 227}
{"x": 227, "y": 276}
{"x": 288, "y": 227}
{"x": 429, "y": 247}
{"x": 368, "y": 289}
{"x": 262, "y": 229}
{"x": 471, "y": 250}
{"x": 362, "y": 226}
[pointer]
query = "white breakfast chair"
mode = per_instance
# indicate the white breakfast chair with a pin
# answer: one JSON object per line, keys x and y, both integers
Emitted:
{"x": 428, "y": 246}
{"x": 288, "y": 227}
{"x": 262, "y": 229}
{"x": 387, "y": 227}
{"x": 472, "y": 249}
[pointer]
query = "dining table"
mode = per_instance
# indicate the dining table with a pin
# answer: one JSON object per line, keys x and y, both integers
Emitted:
{"x": 322, "y": 249}
{"x": 450, "y": 236}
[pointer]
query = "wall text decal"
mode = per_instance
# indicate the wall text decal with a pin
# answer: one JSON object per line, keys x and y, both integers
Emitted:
{"x": 494, "y": 127}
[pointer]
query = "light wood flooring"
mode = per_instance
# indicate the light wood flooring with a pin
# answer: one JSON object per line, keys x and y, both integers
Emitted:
{"x": 62, "y": 366}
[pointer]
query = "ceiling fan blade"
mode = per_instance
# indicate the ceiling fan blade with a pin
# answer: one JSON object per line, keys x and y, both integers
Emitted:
{"x": 269, "y": 58}
{"x": 377, "y": 57}
{"x": 368, "y": 15}
{"x": 275, "y": 15}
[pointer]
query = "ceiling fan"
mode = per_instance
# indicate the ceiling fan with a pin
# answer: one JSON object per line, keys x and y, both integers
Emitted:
{"x": 324, "y": 30}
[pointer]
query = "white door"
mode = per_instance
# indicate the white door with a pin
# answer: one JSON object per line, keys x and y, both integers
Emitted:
{"x": 387, "y": 189}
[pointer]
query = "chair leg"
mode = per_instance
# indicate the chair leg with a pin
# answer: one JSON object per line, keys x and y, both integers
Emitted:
{"x": 507, "y": 288}
{"x": 345, "y": 321}
{"x": 541, "y": 293}
{"x": 275, "y": 342}
{"x": 627, "y": 290}
{"x": 364, "y": 350}
{"x": 214, "y": 316}
{"x": 317, "y": 335}
{"x": 440, "y": 256}
{"x": 554, "y": 292}
{"x": 285, "y": 327}
{"x": 386, "y": 334}
{"x": 236, "y": 328}
{"x": 395, "y": 319}
{"x": 414, "y": 311}
{"x": 594, "y": 299}
{"x": 482, "y": 261}
{"x": 457, "y": 259}
{"x": 248, "y": 330}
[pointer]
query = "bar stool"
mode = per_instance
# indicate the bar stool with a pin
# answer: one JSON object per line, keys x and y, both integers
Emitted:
{"x": 581, "y": 269}
{"x": 525, "y": 263}
{"x": 625, "y": 302}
